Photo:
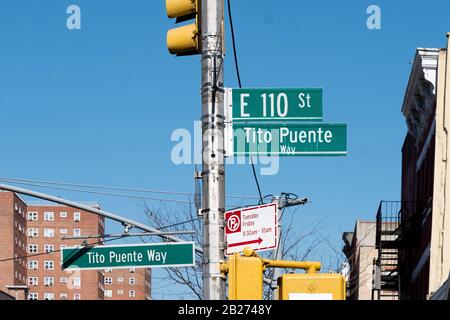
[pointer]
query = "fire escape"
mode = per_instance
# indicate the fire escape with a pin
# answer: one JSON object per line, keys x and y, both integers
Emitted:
{"x": 395, "y": 230}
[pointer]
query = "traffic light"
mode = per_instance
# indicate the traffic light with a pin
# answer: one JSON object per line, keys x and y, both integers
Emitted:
{"x": 184, "y": 40}
{"x": 245, "y": 276}
{"x": 245, "y": 273}
{"x": 315, "y": 286}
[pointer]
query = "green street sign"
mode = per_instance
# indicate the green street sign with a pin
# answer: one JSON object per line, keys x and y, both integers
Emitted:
{"x": 174, "y": 254}
{"x": 287, "y": 104}
{"x": 308, "y": 139}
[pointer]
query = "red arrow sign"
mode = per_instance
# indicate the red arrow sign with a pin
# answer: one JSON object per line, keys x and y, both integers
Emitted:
{"x": 237, "y": 244}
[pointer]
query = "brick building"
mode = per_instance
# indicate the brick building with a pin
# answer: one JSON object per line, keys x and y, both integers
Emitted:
{"x": 127, "y": 284}
{"x": 13, "y": 243}
{"x": 418, "y": 230}
{"x": 35, "y": 231}
{"x": 47, "y": 224}
{"x": 360, "y": 252}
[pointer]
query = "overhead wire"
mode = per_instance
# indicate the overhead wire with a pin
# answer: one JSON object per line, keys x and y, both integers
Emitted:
{"x": 59, "y": 250}
{"x": 238, "y": 75}
{"x": 89, "y": 186}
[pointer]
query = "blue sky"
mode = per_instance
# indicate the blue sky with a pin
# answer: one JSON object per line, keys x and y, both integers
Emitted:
{"x": 98, "y": 105}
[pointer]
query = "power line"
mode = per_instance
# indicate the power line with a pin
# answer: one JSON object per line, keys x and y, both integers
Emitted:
{"x": 113, "y": 188}
{"x": 230, "y": 17}
{"x": 59, "y": 250}
{"x": 96, "y": 192}
{"x": 130, "y": 196}
{"x": 238, "y": 74}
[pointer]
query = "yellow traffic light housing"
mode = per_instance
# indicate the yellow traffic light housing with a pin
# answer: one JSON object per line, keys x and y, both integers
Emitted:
{"x": 316, "y": 286}
{"x": 245, "y": 277}
{"x": 184, "y": 40}
{"x": 245, "y": 273}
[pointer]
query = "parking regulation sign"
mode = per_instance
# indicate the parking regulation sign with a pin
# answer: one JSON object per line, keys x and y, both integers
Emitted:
{"x": 254, "y": 227}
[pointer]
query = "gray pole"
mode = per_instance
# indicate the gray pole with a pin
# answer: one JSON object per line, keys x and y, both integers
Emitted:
{"x": 213, "y": 170}
{"x": 99, "y": 212}
{"x": 277, "y": 254}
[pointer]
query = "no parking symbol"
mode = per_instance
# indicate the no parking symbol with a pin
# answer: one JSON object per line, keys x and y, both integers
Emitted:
{"x": 233, "y": 219}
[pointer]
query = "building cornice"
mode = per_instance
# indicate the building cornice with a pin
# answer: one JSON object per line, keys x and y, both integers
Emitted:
{"x": 420, "y": 96}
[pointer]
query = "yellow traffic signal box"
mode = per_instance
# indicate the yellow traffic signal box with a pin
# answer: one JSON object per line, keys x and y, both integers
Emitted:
{"x": 245, "y": 277}
{"x": 311, "y": 286}
{"x": 184, "y": 40}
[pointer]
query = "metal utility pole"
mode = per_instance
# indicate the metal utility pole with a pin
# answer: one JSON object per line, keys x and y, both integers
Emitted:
{"x": 213, "y": 169}
{"x": 278, "y": 252}
{"x": 109, "y": 215}
{"x": 282, "y": 202}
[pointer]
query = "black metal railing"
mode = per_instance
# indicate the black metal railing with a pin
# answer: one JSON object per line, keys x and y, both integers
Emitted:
{"x": 397, "y": 225}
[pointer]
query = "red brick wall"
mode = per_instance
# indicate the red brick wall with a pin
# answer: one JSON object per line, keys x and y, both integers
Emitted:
{"x": 417, "y": 187}
{"x": 12, "y": 240}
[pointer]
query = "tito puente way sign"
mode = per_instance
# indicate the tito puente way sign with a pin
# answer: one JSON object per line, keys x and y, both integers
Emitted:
{"x": 308, "y": 139}
{"x": 174, "y": 254}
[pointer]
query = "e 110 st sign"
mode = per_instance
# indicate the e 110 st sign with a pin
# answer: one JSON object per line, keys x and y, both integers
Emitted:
{"x": 269, "y": 104}
{"x": 174, "y": 254}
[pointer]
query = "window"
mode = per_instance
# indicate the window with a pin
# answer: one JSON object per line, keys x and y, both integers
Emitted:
{"x": 48, "y": 281}
{"x": 108, "y": 280}
{"x": 108, "y": 270}
{"x": 49, "y": 296}
{"x": 32, "y": 264}
{"x": 32, "y": 248}
{"x": 49, "y": 265}
{"x": 132, "y": 293}
{"x": 33, "y": 281}
{"x": 49, "y": 232}
{"x": 119, "y": 291}
{"x": 76, "y": 232}
{"x": 132, "y": 281}
{"x": 33, "y": 232}
{"x": 119, "y": 279}
{"x": 132, "y": 270}
{"x": 108, "y": 293}
{"x": 63, "y": 279}
{"x": 33, "y": 296}
{"x": 77, "y": 282}
{"x": 77, "y": 216}
{"x": 49, "y": 248}
{"x": 49, "y": 216}
{"x": 76, "y": 296}
{"x": 32, "y": 216}
{"x": 63, "y": 296}
{"x": 63, "y": 231}
{"x": 63, "y": 214}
